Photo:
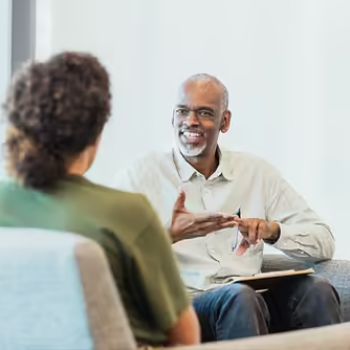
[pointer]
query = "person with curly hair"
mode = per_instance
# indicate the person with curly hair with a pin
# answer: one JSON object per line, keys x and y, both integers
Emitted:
{"x": 56, "y": 112}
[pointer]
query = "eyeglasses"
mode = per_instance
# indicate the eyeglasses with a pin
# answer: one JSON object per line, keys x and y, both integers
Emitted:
{"x": 201, "y": 113}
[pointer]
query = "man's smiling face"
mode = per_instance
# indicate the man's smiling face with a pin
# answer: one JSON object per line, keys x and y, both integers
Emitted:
{"x": 198, "y": 118}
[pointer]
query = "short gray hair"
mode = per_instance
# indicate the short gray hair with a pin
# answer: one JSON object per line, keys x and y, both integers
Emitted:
{"x": 204, "y": 77}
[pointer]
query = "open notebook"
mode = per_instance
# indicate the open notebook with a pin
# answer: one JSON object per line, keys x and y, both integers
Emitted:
{"x": 265, "y": 280}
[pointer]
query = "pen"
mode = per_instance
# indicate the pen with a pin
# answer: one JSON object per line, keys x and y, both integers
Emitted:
{"x": 238, "y": 213}
{"x": 235, "y": 242}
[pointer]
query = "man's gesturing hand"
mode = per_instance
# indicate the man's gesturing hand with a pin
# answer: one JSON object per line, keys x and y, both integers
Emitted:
{"x": 254, "y": 230}
{"x": 185, "y": 225}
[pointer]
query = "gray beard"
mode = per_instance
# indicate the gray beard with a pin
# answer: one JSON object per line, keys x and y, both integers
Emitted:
{"x": 190, "y": 151}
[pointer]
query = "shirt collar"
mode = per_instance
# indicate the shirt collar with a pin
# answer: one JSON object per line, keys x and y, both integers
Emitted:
{"x": 186, "y": 171}
{"x": 225, "y": 167}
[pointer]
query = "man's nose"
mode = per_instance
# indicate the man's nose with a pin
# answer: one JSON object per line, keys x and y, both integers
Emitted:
{"x": 192, "y": 118}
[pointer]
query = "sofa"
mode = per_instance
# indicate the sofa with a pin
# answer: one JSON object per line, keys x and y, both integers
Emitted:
{"x": 57, "y": 293}
{"x": 336, "y": 271}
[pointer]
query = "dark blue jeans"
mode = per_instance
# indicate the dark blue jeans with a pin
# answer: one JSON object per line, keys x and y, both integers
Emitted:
{"x": 237, "y": 311}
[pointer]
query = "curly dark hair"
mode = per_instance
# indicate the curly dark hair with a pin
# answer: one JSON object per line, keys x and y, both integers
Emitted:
{"x": 55, "y": 110}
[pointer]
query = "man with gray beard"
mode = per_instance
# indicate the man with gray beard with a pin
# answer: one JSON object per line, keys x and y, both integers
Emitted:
{"x": 228, "y": 205}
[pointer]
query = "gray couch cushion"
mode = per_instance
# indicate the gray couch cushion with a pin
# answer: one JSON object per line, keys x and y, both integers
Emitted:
{"x": 336, "y": 271}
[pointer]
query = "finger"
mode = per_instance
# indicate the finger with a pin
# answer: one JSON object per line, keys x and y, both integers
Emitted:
{"x": 262, "y": 229}
{"x": 203, "y": 229}
{"x": 243, "y": 225}
{"x": 198, "y": 229}
{"x": 180, "y": 202}
{"x": 228, "y": 224}
{"x": 229, "y": 216}
{"x": 253, "y": 231}
{"x": 211, "y": 218}
{"x": 243, "y": 247}
{"x": 226, "y": 218}
{"x": 219, "y": 225}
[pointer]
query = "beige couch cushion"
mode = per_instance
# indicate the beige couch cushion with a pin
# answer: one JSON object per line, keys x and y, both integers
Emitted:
{"x": 108, "y": 322}
{"x": 335, "y": 337}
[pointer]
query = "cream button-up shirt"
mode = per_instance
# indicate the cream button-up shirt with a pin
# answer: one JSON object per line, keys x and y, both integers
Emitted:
{"x": 243, "y": 182}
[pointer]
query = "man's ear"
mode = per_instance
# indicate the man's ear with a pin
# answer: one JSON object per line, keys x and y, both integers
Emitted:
{"x": 226, "y": 122}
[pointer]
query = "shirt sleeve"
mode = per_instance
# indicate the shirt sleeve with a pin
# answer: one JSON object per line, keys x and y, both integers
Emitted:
{"x": 304, "y": 235}
{"x": 159, "y": 274}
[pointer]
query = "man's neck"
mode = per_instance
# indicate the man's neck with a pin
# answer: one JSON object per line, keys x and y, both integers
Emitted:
{"x": 206, "y": 165}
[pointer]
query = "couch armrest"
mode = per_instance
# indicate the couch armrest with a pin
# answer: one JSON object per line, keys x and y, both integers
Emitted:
{"x": 335, "y": 337}
{"x": 336, "y": 271}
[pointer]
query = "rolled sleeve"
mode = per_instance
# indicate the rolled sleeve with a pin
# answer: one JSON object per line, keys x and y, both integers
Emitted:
{"x": 306, "y": 242}
{"x": 304, "y": 235}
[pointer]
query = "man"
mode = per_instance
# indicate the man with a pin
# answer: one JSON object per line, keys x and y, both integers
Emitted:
{"x": 260, "y": 208}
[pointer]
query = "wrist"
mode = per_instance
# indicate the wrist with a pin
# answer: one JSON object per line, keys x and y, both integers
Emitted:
{"x": 173, "y": 237}
{"x": 173, "y": 234}
{"x": 275, "y": 233}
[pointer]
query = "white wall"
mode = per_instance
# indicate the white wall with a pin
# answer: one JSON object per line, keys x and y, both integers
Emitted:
{"x": 5, "y": 67}
{"x": 285, "y": 62}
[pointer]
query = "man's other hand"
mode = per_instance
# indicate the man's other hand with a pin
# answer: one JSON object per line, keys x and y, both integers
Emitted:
{"x": 186, "y": 225}
{"x": 254, "y": 230}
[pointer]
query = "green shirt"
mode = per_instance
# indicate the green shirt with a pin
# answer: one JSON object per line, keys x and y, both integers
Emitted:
{"x": 125, "y": 225}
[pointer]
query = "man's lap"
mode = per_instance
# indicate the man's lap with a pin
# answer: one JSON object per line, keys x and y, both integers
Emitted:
{"x": 290, "y": 304}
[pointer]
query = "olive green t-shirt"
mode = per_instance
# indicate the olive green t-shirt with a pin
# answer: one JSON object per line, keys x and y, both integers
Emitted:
{"x": 125, "y": 225}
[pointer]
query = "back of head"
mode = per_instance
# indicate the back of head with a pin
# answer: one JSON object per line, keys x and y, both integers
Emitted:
{"x": 55, "y": 109}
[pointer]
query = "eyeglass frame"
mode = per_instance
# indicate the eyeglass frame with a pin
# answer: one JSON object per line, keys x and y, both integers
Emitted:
{"x": 211, "y": 114}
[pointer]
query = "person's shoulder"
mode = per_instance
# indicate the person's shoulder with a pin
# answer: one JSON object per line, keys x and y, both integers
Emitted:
{"x": 137, "y": 212}
{"x": 5, "y": 185}
{"x": 246, "y": 160}
{"x": 152, "y": 160}
{"x": 10, "y": 188}
{"x": 145, "y": 171}
{"x": 129, "y": 199}
{"x": 7, "y": 189}
{"x": 131, "y": 208}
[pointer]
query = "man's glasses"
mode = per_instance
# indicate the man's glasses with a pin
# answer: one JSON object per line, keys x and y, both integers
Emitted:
{"x": 201, "y": 113}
